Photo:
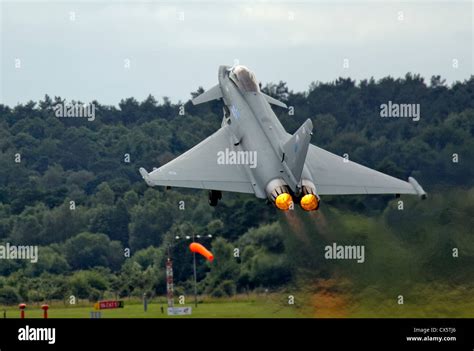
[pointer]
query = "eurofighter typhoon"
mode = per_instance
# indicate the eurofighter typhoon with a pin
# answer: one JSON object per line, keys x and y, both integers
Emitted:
{"x": 252, "y": 153}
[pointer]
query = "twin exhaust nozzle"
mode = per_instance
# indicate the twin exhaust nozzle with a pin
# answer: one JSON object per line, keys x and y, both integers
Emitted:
{"x": 280, "y": 194}
{"x": 309, "y": 202}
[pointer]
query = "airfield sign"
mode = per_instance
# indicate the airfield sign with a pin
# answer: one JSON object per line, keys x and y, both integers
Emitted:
{"x": 179, "y": 311}
{"x": 109, "y": 304}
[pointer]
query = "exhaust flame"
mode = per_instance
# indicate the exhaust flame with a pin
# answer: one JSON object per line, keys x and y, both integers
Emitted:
{"x": 284, "y": 201}
{"x": 309, "y": 202}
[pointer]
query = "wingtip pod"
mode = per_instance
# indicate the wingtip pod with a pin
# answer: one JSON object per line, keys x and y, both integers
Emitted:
{"x": 418, "y": 189}
{"x": 143, "y": 172}
{"x": 146, "y": 176}
{"x": 309, "y": 125}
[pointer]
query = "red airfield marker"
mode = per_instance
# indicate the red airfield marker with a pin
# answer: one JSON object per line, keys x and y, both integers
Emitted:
{"x": 45, "y": 311}
{"x": 22, "y": 307}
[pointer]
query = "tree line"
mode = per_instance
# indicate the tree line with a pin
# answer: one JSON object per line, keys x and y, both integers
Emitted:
{"x": 72, "y": 187}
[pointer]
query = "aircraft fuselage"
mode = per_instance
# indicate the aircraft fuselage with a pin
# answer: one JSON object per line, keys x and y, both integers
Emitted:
{"x": 252, "y": 153}
{"x": 255, "y": 128}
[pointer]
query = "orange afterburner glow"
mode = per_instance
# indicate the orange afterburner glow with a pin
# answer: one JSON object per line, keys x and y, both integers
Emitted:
{"x": 284, "y": 201}
{"x": 198, "y": 248}
{"x": 309, "y": 202}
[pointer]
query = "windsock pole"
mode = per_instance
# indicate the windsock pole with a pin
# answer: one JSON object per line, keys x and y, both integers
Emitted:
{"x": 195, "y": 278}
{"x": 169, "y": 282}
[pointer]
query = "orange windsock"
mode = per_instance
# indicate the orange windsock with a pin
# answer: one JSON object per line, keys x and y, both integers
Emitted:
{"x": 198, "y": 248}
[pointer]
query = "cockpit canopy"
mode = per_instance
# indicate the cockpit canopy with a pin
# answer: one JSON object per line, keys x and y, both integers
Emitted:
{"x": 244, "y": 79}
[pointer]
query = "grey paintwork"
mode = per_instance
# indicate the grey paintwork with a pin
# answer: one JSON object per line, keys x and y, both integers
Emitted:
{"x": 250, "y": 125}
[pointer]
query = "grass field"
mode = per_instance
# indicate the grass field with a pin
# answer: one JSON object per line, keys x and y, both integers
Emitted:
{"x": 262, "y": 307}
{"x": 421, "y": 301}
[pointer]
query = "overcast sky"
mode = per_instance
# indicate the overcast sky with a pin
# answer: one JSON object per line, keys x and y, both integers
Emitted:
{"x": 112, "y": 50}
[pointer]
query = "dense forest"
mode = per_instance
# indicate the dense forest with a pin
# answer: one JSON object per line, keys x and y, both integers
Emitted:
{"x": 72, "y": 187}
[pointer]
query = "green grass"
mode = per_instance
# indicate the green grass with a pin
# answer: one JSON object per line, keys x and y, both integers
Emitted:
{"x": 270, "y": 307}
{"x": 421, "y": 301}
{"x": 336, "y": 300}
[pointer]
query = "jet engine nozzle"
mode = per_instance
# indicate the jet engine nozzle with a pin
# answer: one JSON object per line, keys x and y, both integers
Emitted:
{"x": 309, "y": 200}
{"x": 279, "y": 193}
{"x": 284, "y": 201}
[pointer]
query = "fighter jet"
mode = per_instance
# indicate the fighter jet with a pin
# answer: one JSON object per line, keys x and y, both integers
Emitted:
{"x": 252, "y": 153}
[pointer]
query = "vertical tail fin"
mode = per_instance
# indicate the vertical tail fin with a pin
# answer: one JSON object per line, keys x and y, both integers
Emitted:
{"x": 296, "y": 148}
